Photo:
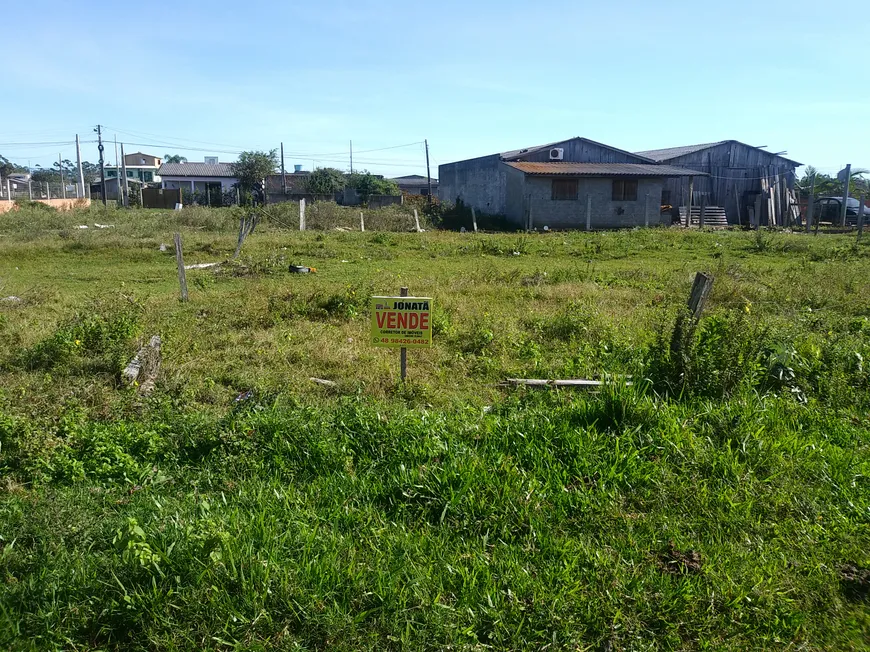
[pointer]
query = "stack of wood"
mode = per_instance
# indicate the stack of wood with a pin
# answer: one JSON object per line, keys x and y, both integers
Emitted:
{"x": 714, "y": 217}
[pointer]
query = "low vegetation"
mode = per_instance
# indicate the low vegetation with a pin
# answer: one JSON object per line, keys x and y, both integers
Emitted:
{"x": 713, "y": 494}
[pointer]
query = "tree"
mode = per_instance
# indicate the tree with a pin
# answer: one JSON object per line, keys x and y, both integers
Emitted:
{"x": 174, "y": 158}
{"x": 7, "y": 167}
{"x": 366, "y": 183}
{"x": 325, "y": 181}
{"x": 829, "y": 186}
{"x": 90, "y": 171}
{"x": 251, "y": 170}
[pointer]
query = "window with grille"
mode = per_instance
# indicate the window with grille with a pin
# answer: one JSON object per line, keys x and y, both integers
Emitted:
{"x": 564, "y": 189}
{"x": 625, "y": 190}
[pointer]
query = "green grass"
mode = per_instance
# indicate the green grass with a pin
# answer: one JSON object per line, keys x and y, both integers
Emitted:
{"x": 719, "y": 502}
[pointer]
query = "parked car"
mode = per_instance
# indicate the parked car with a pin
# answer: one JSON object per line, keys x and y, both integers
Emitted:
{"x": 829, "y": 209}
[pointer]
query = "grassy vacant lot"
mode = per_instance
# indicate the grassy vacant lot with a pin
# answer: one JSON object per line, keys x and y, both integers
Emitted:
{"x": 720, "y": 502}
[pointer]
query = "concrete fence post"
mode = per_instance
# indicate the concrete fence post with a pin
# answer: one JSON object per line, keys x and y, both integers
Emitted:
{"x": 646, "y": 210}
{"x": 588, "y": 212}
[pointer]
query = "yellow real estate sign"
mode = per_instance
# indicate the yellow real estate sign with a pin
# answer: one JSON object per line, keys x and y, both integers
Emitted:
{"x": 402, "y": 322}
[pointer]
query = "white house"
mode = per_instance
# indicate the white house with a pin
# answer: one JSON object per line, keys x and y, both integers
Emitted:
{"x": 140, "y": 166}
{"x": 210, "y": 177}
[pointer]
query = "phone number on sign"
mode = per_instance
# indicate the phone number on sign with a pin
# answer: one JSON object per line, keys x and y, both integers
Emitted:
{"x": 399, "y": 340}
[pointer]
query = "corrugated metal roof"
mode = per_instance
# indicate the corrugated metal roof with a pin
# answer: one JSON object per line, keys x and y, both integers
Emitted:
{"x": 516, "y": 153}
{"x": 604, "y": 170}
{"x": 196, "y": 170}
{"x": 669, "y": 153}
{"x": 674, "y": 152}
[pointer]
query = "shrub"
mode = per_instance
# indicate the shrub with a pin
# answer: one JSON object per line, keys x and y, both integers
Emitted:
{"x": 94, "y": 339}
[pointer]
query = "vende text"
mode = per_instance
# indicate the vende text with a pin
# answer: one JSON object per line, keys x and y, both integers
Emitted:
{"x": 408, "y": 320}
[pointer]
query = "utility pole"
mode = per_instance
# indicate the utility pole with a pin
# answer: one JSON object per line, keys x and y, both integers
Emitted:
{"x": 428, "y": 174}
{"x": 126, "y": 196}
{"x": 101, "y": 149}
{"x": 80, "y": 181}
{"x": 351, "y": 157}
{"x": 283, "y": 173}
{"x": 848, "y": 172}
{"x": 60, "y": 169}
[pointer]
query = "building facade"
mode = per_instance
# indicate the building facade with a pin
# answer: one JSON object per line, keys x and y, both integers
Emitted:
{"x": 202, "y": 178}
{"x": 416, "y": 184}
{"x": 566, "y": 184}
{"x": 140, "y": 167}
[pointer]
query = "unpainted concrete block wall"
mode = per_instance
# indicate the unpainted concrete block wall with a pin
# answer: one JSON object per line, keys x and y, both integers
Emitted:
{"x": 536, "y": 193}
{"x": 478, "y": 183}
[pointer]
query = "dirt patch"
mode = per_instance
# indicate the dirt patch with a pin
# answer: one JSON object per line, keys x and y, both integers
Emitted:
{"x": 679, "y": 562}
{"x": 855, "y": 582}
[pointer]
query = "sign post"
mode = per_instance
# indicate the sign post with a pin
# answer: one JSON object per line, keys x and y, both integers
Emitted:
{"x": 402, "y": 322}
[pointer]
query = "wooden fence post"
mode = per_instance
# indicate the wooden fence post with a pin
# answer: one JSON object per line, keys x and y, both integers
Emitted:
{"x": 362, "y": 223}
{"x": 417, "y": 221}
{"x": 302, "y": 214}
{"x": 700, "y": 291}
{"x": 179, "y": 258}
{"x": 811, "y": 205}
{"x": 737, "y": 204}
{"x": 685, "y": 324}
{"x": 689, "y": 202}
{"x": 403, "y": 352}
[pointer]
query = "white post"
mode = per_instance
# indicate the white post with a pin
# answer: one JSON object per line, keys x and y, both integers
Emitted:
{"x": 192, "y": 190}
{"x": 30, "y": 190}
{"x": 362, "y": 224}
{"x": 588, "y": 212}
{"x": 848, "y": 178}
{"x": 80, "y": 182}
{"x": 8, "y": 190}
{"x": 417, "y": 221}
{"x": 62, "y": 184}
{"x": 125, "y": 198}
{"x": 473, "y": 219}
{"x": 302, "y": 214}
{"x": 646, "y": 211}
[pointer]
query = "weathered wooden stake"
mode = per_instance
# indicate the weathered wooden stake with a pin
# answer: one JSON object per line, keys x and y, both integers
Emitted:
{"x": 403, "y": 352}
{"x": 302, "y": 214}
{"x": 179, "y": 258}
{"x": 685, "y": 324}
{"x": 700, "y": 291}
{"x": 737, "y": 204}
{"x": 417, "y": 221}
{"x": 588, "y": 212}
{"x": 531, "y": 216}
{"x": 689, "y": 202}
{"x": 860, "y": 219}
{"x": 362, "y": 222}
{"x": 756, "y": 217}
{"x": 473, "y": 219}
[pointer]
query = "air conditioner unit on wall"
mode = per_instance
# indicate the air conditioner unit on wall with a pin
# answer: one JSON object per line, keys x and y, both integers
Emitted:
{"x": 557, "y": 154}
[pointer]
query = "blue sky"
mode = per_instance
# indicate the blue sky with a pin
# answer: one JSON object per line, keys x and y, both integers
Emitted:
{"x": 472, "y": 77}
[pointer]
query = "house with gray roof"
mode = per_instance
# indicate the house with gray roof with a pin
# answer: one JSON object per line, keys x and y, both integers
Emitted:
{"x": 574, "y": 183}
{"x": 752, "y": 184}
{"x": 204, "y": 178}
